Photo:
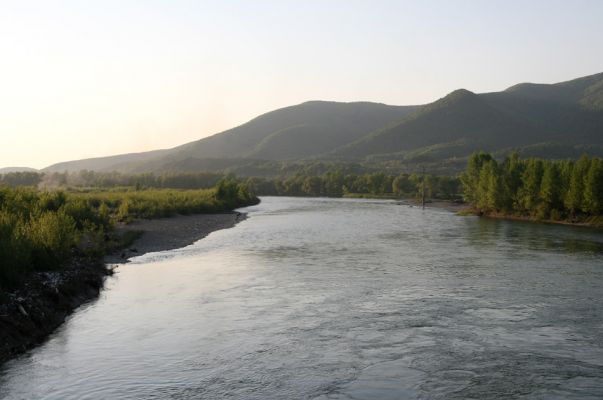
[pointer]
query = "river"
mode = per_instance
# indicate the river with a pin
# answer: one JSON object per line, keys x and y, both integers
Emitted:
{"x": 339, "y": 299}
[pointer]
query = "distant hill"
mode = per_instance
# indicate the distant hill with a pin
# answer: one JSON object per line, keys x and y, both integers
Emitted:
{"x": 562, "y": 116}
{"x": 8, "y": 170}
{"x": 552, "y": 120}
{"x": 305, "y": 130}
{"x": 122, "y": 162}
{"x": 587, "y": 91}
{"x": 460, "y": 120}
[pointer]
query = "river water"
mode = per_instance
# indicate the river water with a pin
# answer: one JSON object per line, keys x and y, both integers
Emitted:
{"x": 339, "y": 299}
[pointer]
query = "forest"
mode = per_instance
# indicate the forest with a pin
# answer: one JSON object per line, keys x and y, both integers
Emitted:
{"x": 44, "y": 230}
{"x": 563, "y": 190}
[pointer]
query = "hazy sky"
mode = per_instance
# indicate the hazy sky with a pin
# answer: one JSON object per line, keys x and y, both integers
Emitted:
{"x": 90, "y": 78}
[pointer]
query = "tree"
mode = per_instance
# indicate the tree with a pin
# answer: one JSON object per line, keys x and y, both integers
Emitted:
{"x": 401, "y": 185}
{"x": 545, "y": 189}
{"x": 574, "y": 196}
{"x": 312, "y": 186}
{"x": 471, "y": 178}
{"x": 333, "y": 184}
{"x": 550, "y": 195}
{"x": 512, "y": 169}
{"x": 565, "y": 174}
{"x": 489, "y": 187}
{"x": 530, "y": 185}
{"x": 593, "y": 188}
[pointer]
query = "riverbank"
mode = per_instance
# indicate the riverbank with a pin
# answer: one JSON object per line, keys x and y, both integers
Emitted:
{"x": 589, "y": 222}
{"x": 170, "y": 233}
{"x": 28, "y": 315}
{"x": 461, "y": 208}
{"x": 448, "y": 205}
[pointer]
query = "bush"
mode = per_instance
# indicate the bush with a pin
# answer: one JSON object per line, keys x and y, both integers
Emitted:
{"x": 42, "y": 230}
{"x": 51, "y": 235}
{"x": 14, "y": 250}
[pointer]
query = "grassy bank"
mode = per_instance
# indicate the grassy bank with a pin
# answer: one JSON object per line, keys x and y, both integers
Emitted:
{"x": 42, "y": 231}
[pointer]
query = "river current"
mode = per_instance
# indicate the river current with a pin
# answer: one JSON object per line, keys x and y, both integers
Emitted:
{"x": 339, "y": 299}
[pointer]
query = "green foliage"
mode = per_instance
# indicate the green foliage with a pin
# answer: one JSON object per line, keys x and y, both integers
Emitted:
{"x": 14, "y": 248}
{"x": 593, "y": 188}
{"x": 92, "y": 179}
{"x": 336, "y": 184}
{"x": 574, "y": 196}
{"x": 550, "y": 193}
{"x": 512, "y": 170}
{"x": 51, "y": 236}
{"x": 126, "y": 205}
{"x": 530, "y": 184}
{"x": 536, "y": 188}
{"x": 471, "y": 177}
{"x": 493, "y": 185}
{"x": 43, "y": 230}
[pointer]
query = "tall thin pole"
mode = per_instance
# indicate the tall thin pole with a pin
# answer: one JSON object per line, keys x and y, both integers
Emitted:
{"x": 423, "y": 190}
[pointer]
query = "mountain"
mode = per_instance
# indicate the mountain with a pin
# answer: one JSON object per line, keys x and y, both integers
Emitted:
{"x": 562, "y": 115}
{"x": 301, "y": 131}
{"x": 462, "y": 118}
{"x": 586, "y": 91}
{"x": 8, "y": 170}
{"x": 550, "y": 120}
{"x": 305, "y": 130}
{"x": 121, "y": 162}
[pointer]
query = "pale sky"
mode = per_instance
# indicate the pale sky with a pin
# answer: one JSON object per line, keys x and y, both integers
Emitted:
{"x": 82, "y": 79}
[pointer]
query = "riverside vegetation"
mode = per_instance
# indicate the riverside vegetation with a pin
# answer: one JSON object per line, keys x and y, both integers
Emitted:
{"x": 378, "y": 184}
{"x": 315, "y": 180}
{"x": 52, "y": 242}
{"x": 43, "y": 230}
{"x": 46, "y": 230}
{"x": 533, "y": 188}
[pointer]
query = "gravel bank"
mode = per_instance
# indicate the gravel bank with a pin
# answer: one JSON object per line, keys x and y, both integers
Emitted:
{"x": 30, "y": 314}
{"x": 172, "y": 233}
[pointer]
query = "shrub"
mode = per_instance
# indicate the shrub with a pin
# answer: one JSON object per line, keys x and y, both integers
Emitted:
{"x": 51, "y": 235}
{"x": 42, "y": 230}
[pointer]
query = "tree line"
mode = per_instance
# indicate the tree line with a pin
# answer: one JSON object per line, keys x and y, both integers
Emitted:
{"x": 93, "y": 179}
{"x": 533, "y": 187}
{"x": 15, "y": 179}
{"x": 378, "y": 184}
{"x": 337, "y": 183}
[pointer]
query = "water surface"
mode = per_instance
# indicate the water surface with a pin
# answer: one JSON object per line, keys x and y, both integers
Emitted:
{"x": 339, "y": 299}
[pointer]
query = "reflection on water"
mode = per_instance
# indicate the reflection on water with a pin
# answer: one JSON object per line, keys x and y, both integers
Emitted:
{"x": 536, "y": 236}
{"x": 339, "y": 299}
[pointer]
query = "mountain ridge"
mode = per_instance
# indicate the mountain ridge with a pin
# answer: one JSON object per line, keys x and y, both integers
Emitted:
{"x": 8, "y": 170}
{"x": 551, "y": 116}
